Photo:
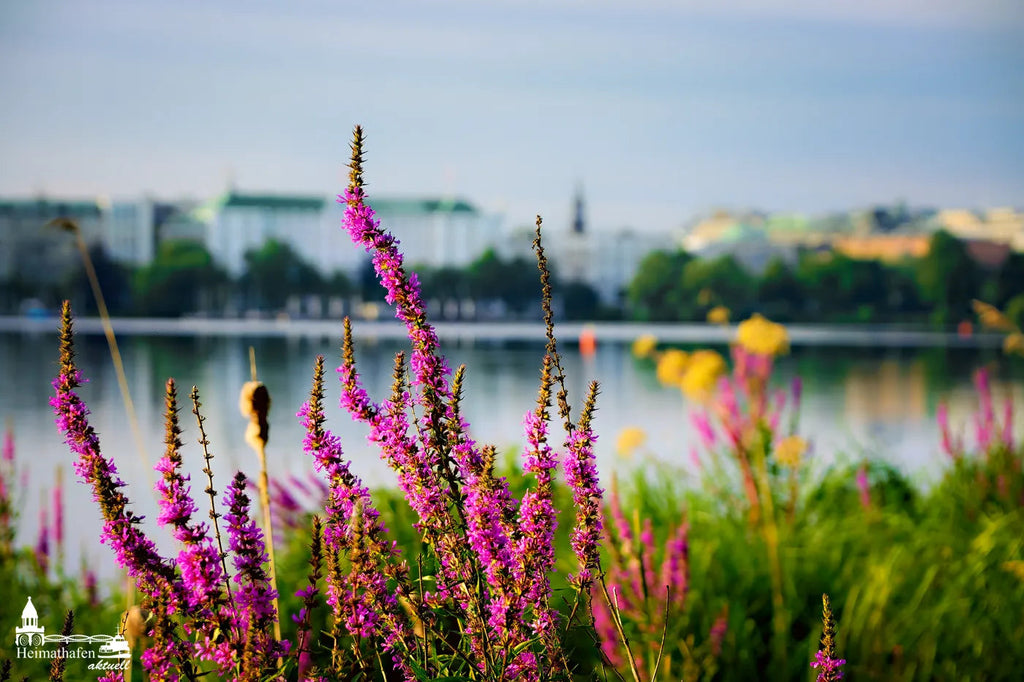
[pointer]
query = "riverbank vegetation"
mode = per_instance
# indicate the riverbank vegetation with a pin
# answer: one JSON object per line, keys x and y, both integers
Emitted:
{"x": 536, "y": 566}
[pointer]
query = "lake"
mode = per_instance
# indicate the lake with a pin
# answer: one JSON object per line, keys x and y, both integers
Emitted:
{"x": 859, "y": 401}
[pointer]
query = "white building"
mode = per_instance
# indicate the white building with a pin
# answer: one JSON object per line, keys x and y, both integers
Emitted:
{"x": 128, "y": 230}
{"x": 36, "y": 253}
{"x": 438, "y": 232}
{"x": 243, "y": 222}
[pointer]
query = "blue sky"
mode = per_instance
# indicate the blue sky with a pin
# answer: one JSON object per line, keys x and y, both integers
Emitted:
{"x": 659, "y": 109}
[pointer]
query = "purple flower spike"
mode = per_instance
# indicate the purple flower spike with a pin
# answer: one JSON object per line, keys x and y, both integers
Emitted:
{"x": 587, "y": 495}
{"x": 134, "y": 551}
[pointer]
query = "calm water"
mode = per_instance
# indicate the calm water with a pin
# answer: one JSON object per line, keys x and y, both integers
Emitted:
{"x": 878, "y": 403}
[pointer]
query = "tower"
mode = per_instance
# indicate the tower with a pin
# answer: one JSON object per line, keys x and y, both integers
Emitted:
{"x": 576, "y": 262}
{"x": 578, "y": 223}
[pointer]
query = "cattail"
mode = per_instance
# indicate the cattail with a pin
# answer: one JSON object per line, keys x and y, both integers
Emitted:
{"x": 254, "y": 403}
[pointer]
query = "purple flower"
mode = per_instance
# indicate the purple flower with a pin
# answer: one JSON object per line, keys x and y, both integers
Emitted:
{"x": 8, "y": 452}
{"x": 718, "y": 630}
{"x": 133, "y": 550}
{"x": 58, "y": 515}
{"x": 361, "y": 598}
{"x": 581, "y": 474}
{"x": 828, "y": 668}
{"x": 676, "y": 566}
{"x": 254, "y": 598}
{"x": 198, "y": 560}
{"x": 42, "y": 550}
{"x": 707, "y": 434}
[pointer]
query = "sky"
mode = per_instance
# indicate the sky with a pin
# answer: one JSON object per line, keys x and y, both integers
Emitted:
{"x": 658, "y": 110}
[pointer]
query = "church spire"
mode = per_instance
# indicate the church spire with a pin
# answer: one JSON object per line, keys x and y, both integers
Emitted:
{"x": 578, "y": 223}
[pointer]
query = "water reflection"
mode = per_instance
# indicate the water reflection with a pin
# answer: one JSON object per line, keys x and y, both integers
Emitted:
{"x": 879, "y": 403}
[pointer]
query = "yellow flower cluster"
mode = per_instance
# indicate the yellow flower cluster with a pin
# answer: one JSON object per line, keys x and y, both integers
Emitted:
{"x": 644, "y": 346}
{"x": 761, "y": 336}
{"x": 718, "y": 315}
{"x": 790, "y": 450}
{"x": 695, "y": 373}
{"x": 630, "y": 438}
{"x": 991, "y": 317}
{"x": 702, "y": 371}
{"x": 672, "y": 366}
{"x": 1014, "y": 343}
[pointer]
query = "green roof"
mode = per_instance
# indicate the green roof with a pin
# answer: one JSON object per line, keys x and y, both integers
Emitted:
{"x": 423, "y": 205}
{"x": 787, "y": 222}
{"x": 48, "y": 208}
{"x": 296, "y": 203}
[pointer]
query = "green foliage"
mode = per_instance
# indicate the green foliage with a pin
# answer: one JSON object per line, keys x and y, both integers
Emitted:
{"x": 274, "y": 272}
{"x": 826, "y": 287}
{"x": 722, "y": 281}
{"x": 655, "y": 293}
{"x": 183, "y": 278}
{"x": 580, "y": 301}
{"x": 779, "y": 292}
{"x": 114, "y": 280}
{"x": 513, "y": 282}
{"x": 948, "y": 278}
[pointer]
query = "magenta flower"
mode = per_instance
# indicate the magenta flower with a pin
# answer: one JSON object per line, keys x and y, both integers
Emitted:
{"x": 133, "y": 550}
{"x": 42, "y": 550}
{"x": 829, "y": 669}
{"x": 8, "y": 451}
{"x": 863, "y": 486}
{"x": 581, "y": 474}
{"x": 58, "y": 516}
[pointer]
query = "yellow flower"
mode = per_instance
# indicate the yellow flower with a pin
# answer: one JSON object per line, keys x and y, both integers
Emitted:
{"x": 644, "y": 345}
{"x": 671, "y": 365}
{"x": 718, "y": 315}
{"x": 630, "y": 438}
{"x": 991, "y": 317}
{"x": 701, "y": 373}
{"x": 762, "y": 336}
{"x": 1014, "y": 343}
{"x": 789, "y": 451}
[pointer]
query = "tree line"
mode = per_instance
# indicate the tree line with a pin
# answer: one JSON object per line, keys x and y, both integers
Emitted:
{"x": 827, "y": 286}
{"x": 820, "y": 286}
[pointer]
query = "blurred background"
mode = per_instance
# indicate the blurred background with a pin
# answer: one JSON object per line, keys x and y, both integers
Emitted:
{"x": 848, "y": 168}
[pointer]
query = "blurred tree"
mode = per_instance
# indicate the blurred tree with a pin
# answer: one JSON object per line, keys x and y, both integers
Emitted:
{"x": 842, "y": 289}
{"x": 113, "y": 277}
{"x": 1009, "y": 280}
{"x": 514, "y": 282}
{"x": 183, "y": 278}
{"x": 709, "y": 283}
{"x": 580, "y": 301}
{"x": 655, "y": 292}
{"x": 274, "y": 272}
{"x": 779, "y": 293}
{"x": 445, "y": 283}
{"x": 948, "y": 278}
{"x": 369, "y": 288}
{"x": 339, "y": 284}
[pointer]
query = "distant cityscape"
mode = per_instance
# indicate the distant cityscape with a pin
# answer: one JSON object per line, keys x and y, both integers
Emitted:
{"x": 440, "y": 232}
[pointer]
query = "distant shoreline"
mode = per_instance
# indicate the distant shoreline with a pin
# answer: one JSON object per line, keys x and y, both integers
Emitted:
{"x": 879, "y": 336}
